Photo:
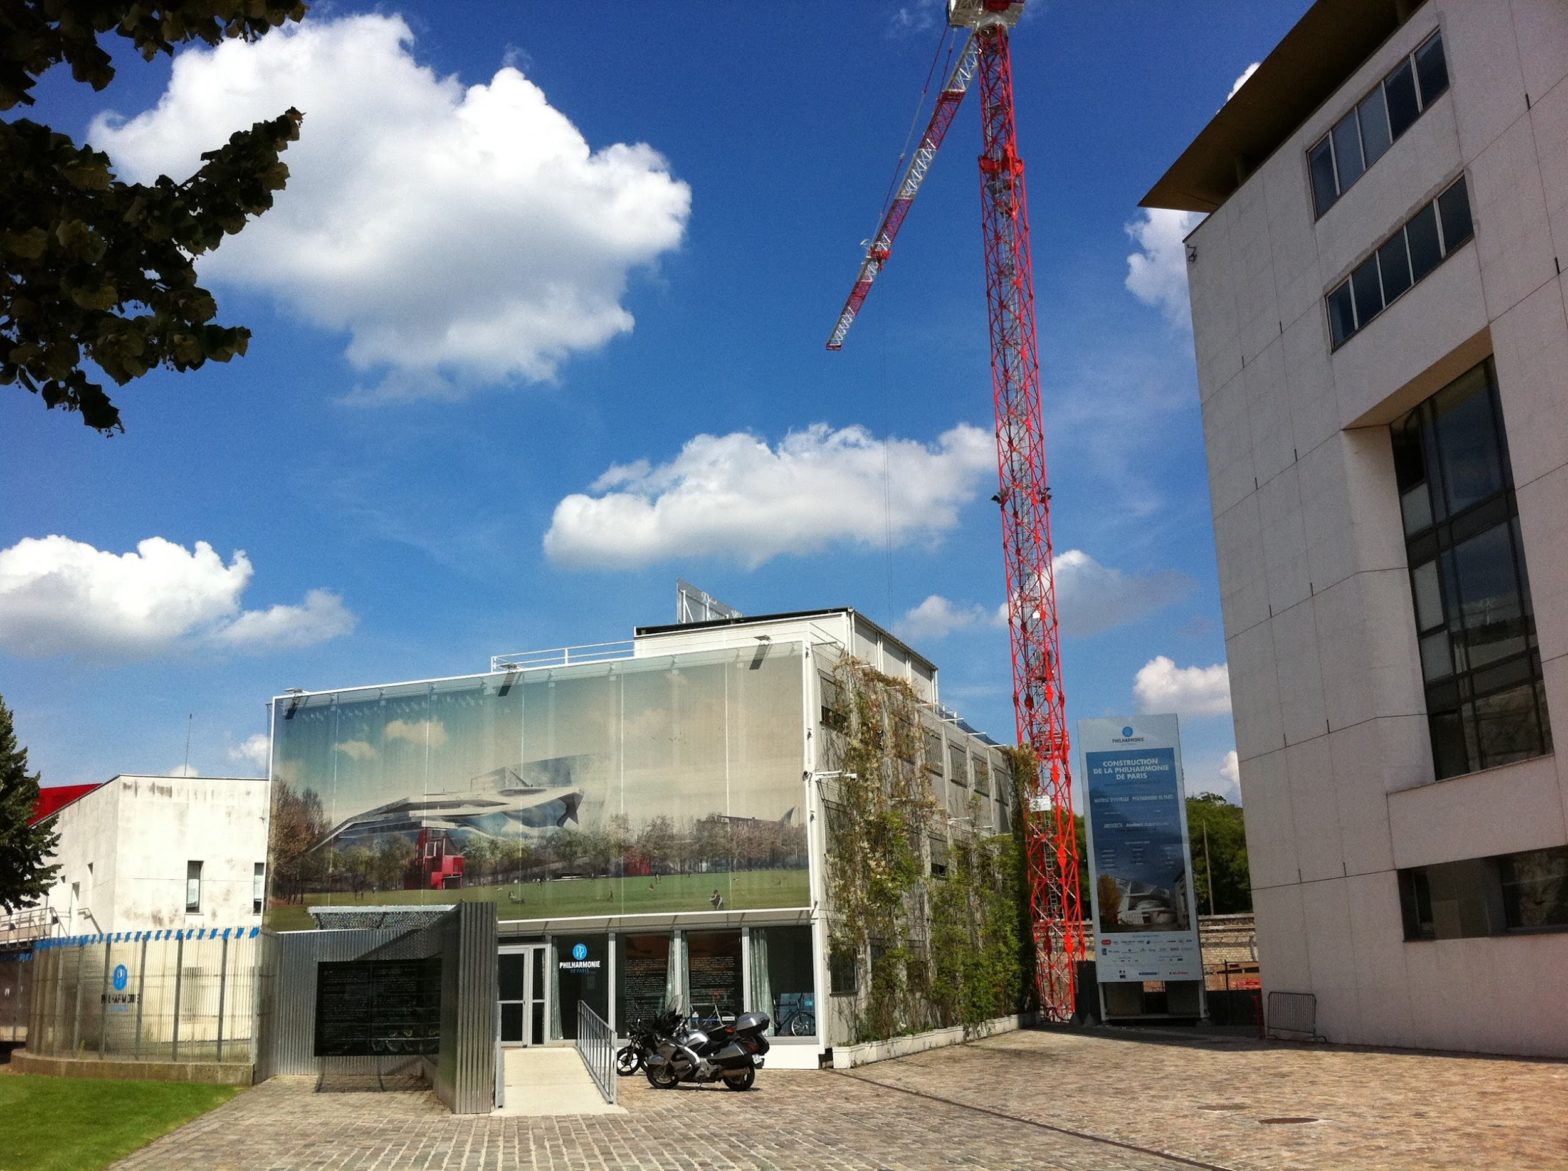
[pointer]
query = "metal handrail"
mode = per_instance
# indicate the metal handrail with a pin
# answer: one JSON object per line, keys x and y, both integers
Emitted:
{"x": 596, "y": 1046}
{"x": 597, "y": 652}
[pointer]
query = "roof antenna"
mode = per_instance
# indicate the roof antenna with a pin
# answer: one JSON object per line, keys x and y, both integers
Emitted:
{"x": 186, "y": 771}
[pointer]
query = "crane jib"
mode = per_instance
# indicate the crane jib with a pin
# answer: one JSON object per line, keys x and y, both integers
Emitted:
{"x": 947, "y": 103}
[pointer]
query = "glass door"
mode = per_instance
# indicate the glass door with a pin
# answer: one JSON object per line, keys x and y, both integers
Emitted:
{"x": 520, "y": 976}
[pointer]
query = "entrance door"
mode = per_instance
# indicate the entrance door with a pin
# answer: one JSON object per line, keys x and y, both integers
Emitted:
{"x": 521, "y": 976}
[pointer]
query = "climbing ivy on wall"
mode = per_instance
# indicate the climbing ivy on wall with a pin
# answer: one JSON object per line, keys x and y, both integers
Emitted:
{"x": 941, "y": 951}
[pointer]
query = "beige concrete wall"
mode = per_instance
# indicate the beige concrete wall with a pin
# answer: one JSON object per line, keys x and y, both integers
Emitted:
{"x": 1336, "y": 769}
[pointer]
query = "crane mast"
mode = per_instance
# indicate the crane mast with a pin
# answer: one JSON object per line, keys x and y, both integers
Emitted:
{"x": 1023, "y": 494}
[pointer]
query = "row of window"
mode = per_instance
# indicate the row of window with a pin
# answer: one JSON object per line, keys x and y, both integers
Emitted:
{"x": 1471, "y": 594}
{"x": 1361, "y": 137}
{"x": 1521, "y": 892}
{"x": 258, "y": 888}
{"x": 1418, "y": 246}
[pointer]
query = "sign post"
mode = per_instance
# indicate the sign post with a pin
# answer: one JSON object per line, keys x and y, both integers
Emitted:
{"x": 1141, "y": 893}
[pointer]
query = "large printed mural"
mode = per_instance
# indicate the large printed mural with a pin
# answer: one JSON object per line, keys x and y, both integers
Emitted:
{"x": 637, "y": 786}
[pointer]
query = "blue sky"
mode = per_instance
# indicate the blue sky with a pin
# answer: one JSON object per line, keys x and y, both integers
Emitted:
{"x": 539, "y": 328}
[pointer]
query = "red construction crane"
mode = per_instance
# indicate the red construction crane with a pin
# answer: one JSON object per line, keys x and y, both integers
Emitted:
{"x": 1023, "y": 494}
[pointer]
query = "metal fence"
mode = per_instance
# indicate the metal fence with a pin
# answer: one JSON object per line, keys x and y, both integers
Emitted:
{"x": 596, "y": 1045}
{"x": 16, "y": 982}
{"x": 146, "y": 995}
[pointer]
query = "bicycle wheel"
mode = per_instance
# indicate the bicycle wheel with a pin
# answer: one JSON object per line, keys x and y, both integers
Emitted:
{"x": 802, "y": 1024}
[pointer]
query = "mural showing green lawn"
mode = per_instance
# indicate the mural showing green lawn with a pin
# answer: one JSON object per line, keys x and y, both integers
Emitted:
{"x": 561, "y": 897}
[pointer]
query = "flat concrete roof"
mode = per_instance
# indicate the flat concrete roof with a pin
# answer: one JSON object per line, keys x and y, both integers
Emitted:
{"x": 1316, "y": 57}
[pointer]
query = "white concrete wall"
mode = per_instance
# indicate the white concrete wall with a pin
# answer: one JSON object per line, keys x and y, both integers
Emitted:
{"x": 1336, "y": 768}
{"x": 127, "y": 844}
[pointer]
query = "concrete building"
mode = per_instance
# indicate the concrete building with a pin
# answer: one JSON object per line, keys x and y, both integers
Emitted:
{"x": 687, "y": 816}
{"x": 1378, "y": 314}
{"x": 141, "y": 853}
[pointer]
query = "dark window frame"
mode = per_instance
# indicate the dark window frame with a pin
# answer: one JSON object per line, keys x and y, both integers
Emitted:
{"x": 1351, "y": 120}
{"x": 1479, "y": 657}
{"x": 1357, "y": 289}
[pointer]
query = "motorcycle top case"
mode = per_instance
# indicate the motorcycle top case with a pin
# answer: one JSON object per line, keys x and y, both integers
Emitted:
{"x": 752, "y": 1022}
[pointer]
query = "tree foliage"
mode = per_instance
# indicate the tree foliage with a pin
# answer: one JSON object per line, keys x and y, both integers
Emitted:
{"x": 96, "y": 270}
{"x": 25, "y": 871}
{"x": 1222, "y": 854}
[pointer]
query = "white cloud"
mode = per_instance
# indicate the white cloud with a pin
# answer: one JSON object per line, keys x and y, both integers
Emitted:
{"x": 1242, "y": 80}
{"x": 182, "y": 770}
{"x": 255, "y": 750}
{"x": 1230, "y": 769}
{"x": 1157, "y": 272}
{"x": 1162, "y": 686}
{"x": 361, "y": 749}
{"x": 912, "y": 19}
{"x": 418, "y": 732}
{"x": 1091, "y": 597}
{"x": 457, "y": 235}
{"x": 323, "y": 616}
{"x": 937, "y": 617}
{"x": 736, "y": 497}
{"x": 59, "y": 596}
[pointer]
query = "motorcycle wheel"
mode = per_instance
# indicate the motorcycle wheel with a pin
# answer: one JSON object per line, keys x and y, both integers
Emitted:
{"x": 747, "y": 1078}
{"x": 628, "y": 1060}
{"x": 802, "y": 1024}
{"x": 661, "y": 1077}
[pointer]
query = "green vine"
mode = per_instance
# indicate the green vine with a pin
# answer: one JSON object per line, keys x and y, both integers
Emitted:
{"x": 941, "y": 951}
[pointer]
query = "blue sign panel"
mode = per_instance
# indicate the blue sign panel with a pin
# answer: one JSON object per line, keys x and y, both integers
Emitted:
{"x": 1144, "y": 918}
{"x": 122, "y": 977}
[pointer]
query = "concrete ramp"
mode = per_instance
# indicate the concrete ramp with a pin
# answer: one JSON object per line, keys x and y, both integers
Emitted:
{"x": 551, "y": 1080}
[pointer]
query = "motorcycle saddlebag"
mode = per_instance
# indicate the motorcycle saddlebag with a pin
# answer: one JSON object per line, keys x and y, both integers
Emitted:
{"x": 752, "y": 1022}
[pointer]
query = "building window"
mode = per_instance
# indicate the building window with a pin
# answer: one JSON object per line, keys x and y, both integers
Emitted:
{"x": 834, "y": 714}
{"x": 258, "y": 888}
{"x": 192, "y": 887}
{"x": 1422, "y": 242}
{"x": 1479, "y": 661}
{"x": 843, "y": 972}
{"x": 1522, "y": 892}
{"x": 957, "y": 765}
{"x": 934, "y": 751}
{"x": 1359, "y": 139}
{"x": 982, "y": 776}
{"x": 938, "y": 848}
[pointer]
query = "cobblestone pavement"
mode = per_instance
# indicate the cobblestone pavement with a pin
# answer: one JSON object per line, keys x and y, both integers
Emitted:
{"x": 1038, "y": 1099}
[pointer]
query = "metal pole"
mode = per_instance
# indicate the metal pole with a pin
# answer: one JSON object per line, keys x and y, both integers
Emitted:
{"x": 76, "y": 1017}
{"x": 1207, "y": 869}
{"x": 179, "y": 974}
{"x": 103, "y": 1002}
{"x": 141, "y": 997}
{"x": 223, "y": 979}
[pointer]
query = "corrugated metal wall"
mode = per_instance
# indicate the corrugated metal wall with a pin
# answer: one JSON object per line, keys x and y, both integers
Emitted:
{"x": 466, "y": 1070}
{"x": 288, "y": 970}
{"x": 463, "y": 1072}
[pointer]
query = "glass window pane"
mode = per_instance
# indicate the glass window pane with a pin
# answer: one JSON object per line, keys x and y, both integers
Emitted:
{"x": 1494, "y": 620}
{"x": 1321, "y": 163}
{"x": 1535, "y": 888}
{"x": 1409, "y": 466}
{"x": 1399, "y": 87}
{"x": 1347, "y": 151}
{"x": 1432, "y": 70}
{"x": 1468, "y": 442}
{"x": 1449, "y": 758}
{"x": 1341, "y": 317}
{"x": 1453, "y": 208}
{"x": 781, "y": 979}
{"x": 642, "y": 979}
{"x": 1507, "y": 727}
{"x": 1429, "y": 598}
{"x": 1368, "y": 292}
{"x": 1437, "y": 660}
{"x": 1374, "y": 125}
{"x": 1421, "y": 235}
{"x": 1393, "y": 261}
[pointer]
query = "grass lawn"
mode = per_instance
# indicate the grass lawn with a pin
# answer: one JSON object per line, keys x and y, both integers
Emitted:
{"x": 742, "y": 890}
{"x": 79, "y": 1124}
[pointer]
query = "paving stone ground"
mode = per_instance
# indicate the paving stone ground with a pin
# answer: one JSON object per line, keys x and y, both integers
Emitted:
{"x": 1086, "y": 1101}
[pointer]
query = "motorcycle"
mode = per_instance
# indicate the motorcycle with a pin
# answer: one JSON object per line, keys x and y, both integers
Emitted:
{"x": 693, "y": 1051}
{"x": 631, "y": 1057}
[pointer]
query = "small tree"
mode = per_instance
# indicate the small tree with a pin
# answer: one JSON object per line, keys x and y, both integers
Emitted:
{"x": 25, "y": 872}
{"x": 97, "y": 274}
